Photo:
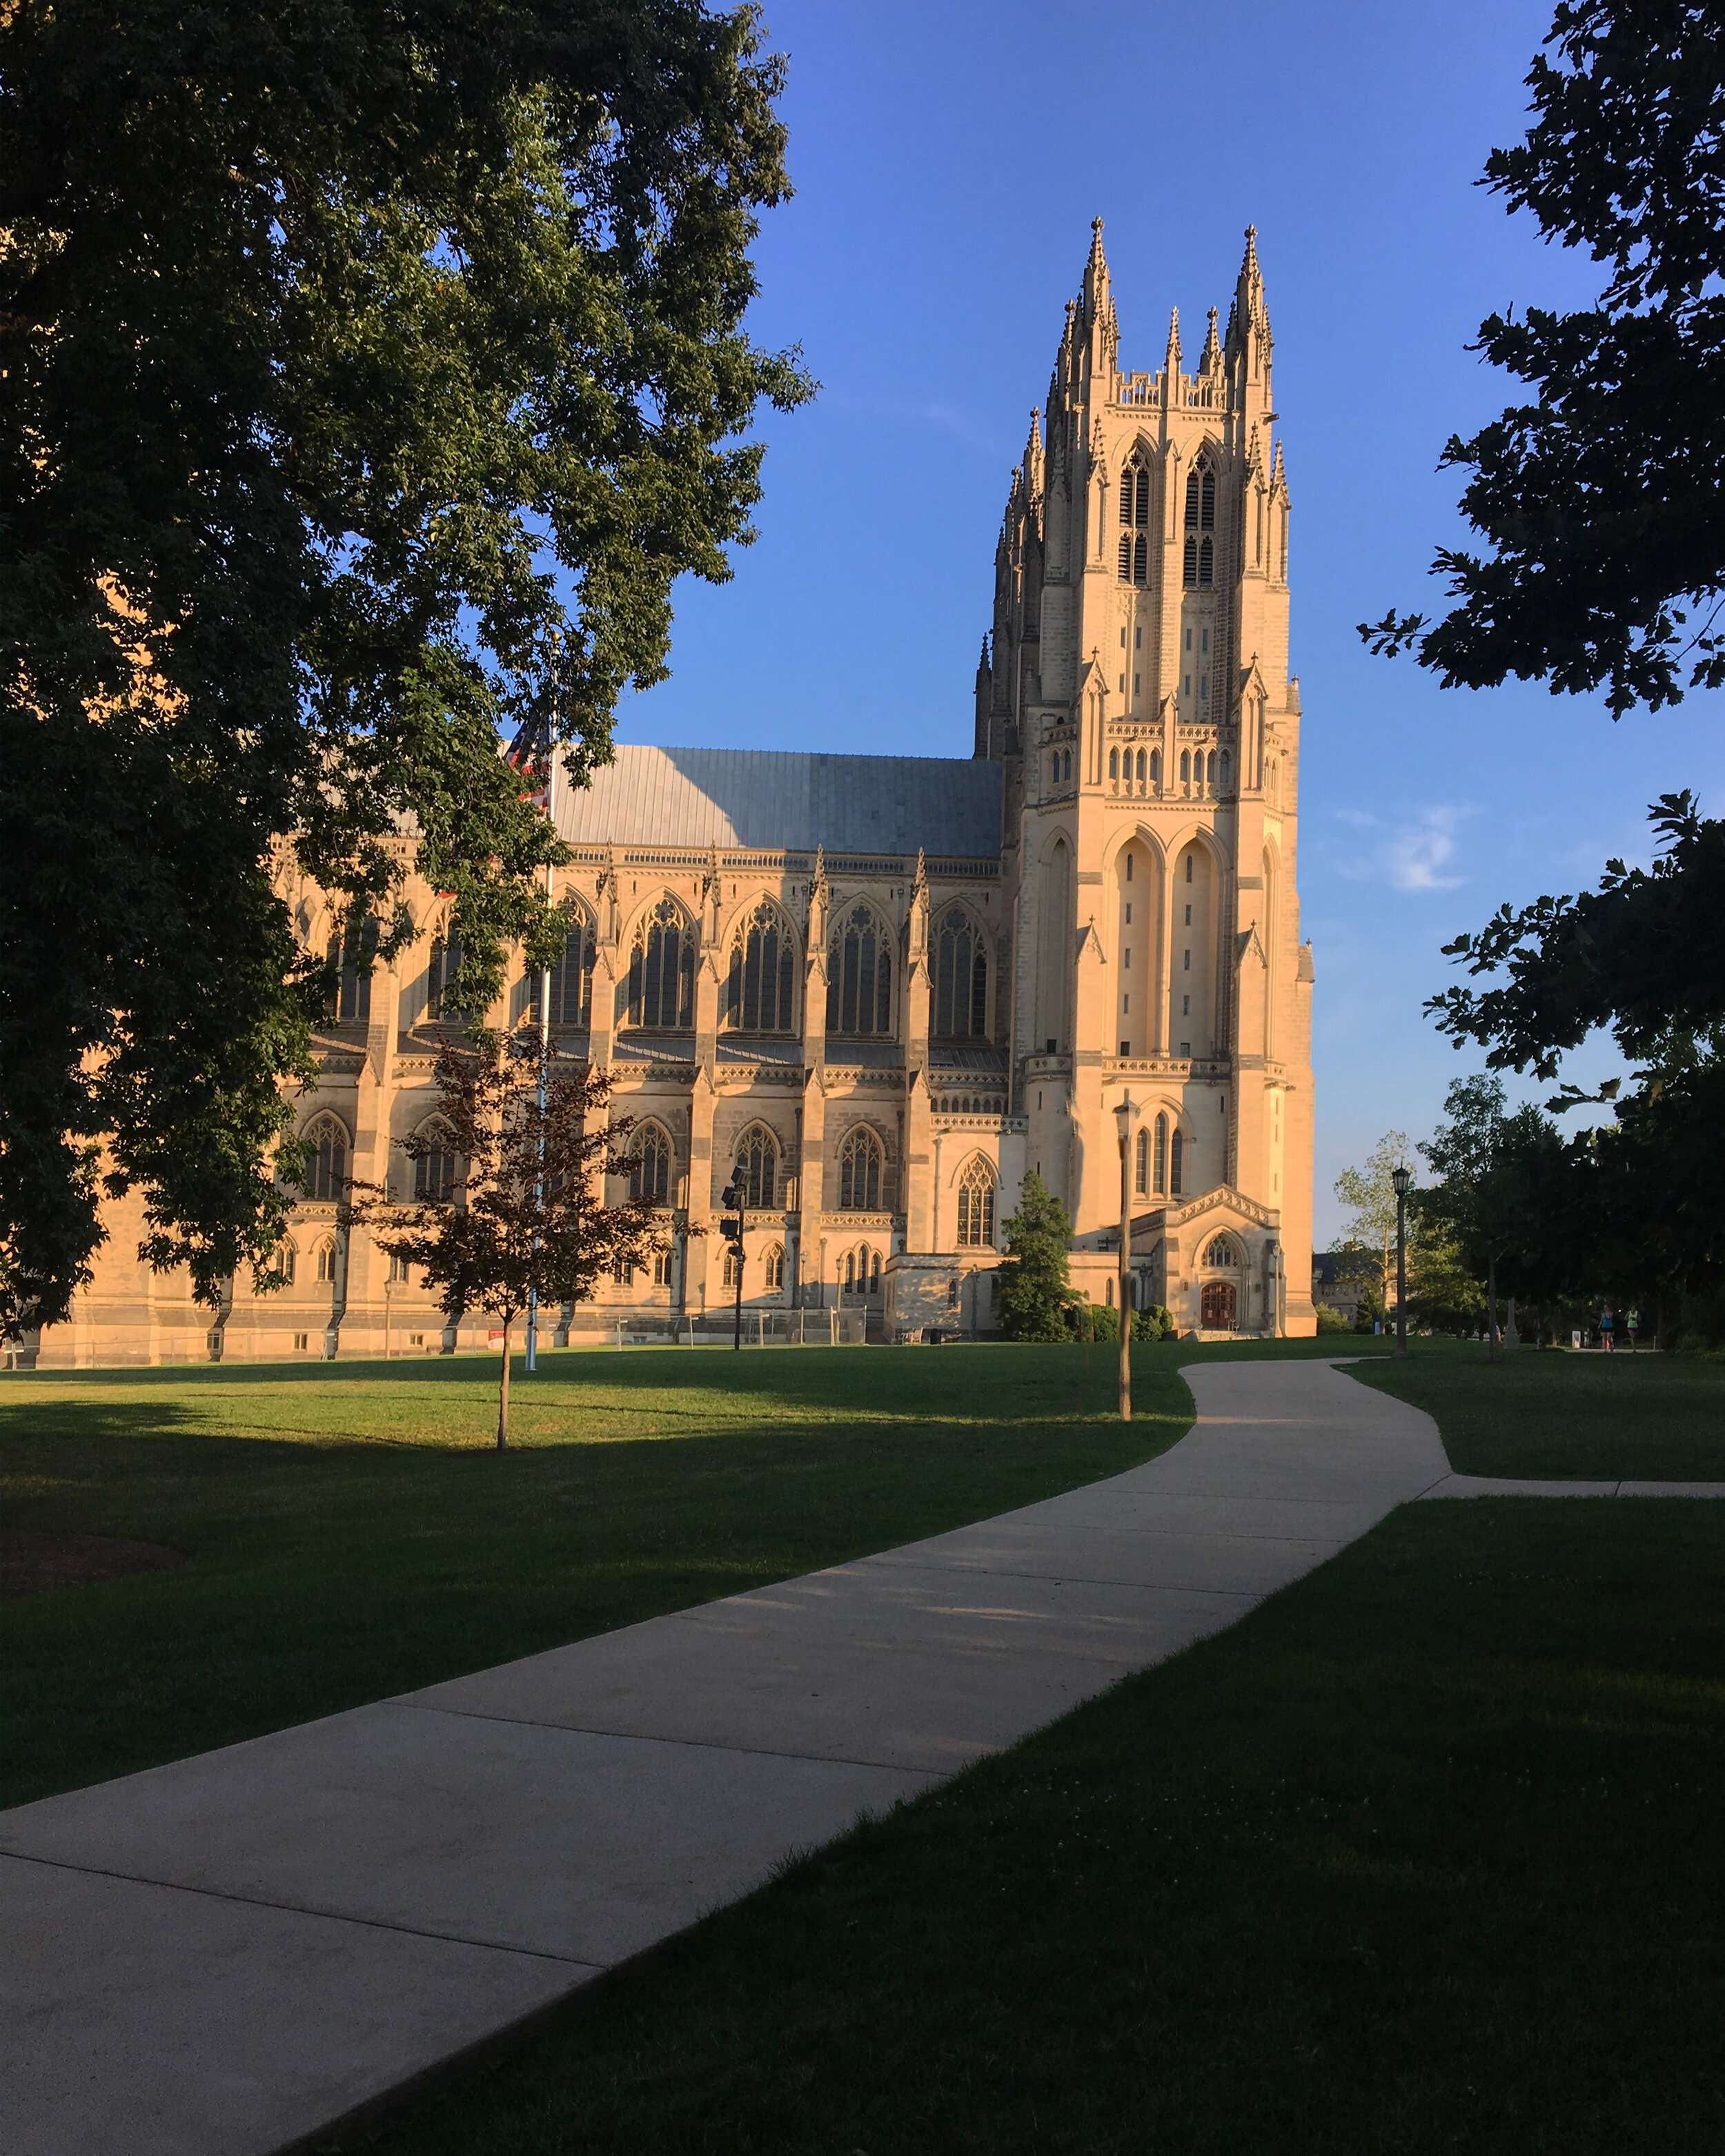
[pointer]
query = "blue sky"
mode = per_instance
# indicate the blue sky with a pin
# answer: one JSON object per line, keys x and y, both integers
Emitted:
{"x": 947, "y": 162}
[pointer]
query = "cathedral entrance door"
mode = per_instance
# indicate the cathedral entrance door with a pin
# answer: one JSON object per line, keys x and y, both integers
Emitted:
{"x": 1218, "y": 1306}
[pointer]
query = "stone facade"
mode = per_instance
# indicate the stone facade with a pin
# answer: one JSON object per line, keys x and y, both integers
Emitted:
{"x": 887, "y": 986}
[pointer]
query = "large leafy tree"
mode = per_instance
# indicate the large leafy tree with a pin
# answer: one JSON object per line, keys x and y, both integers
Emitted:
{"x": 370, "y": 372}
{"x": 1601, "y": 498}
{"x": 1490, "y": 1205}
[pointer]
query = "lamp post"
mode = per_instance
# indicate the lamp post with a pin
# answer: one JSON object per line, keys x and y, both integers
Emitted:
{"x": 730, "y": 1199}
{"x": 1123, "y": 1115}
{"x": 1400, "y": 1180}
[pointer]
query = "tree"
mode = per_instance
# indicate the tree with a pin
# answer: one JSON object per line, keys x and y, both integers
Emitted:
{"x": 1034, "y": 1274}
{"x": 370, "y": 375}
{"x": 1603, "y": 501}
{"x": 527, "y": 1214}
{"x": 1369, "y": 1196}
{"x": 1489, "y": 1211}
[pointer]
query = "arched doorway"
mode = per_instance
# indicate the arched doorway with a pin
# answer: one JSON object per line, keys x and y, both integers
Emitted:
{"x": 1218, "y": 1306}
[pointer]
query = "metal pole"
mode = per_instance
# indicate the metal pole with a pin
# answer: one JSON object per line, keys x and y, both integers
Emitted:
{"x": 551, "y": 810}
{"x": 1126, "y": 1276}
{"x": 1401, "y": 1272}
{"x": 736, "y": 1337}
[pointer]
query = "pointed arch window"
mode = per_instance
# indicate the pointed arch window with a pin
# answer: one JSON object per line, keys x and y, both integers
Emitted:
{"x": 1134, "y": 518}
{"x": 326, "y": 1259}
{"x": 859, "y": 977}
{"x": 1176, "y": 1160}
{"x": 661, "y": 972}
{"x": 1224, "y": 771}
{"x": 572, "y": 978}
{"x": 1114, "y": 763}
{"x": 1220, "y": 1252}
{"x": 1156, "y": 766}
{"x": 859, "y": 1172}
{"x": 650, "y": 1165}
{"x": 280, "y": 1266}
{"x": 976, "y": 1207}
{"x": 435, "y": 1166}
{"x": 355, "y": 962}
{"x": 1159, "y": 1160}
{"x": 758, "y": 1167}
{"x": 961, "y": 979}
{"x": 326, "y": 1161}
{"x": 774, "y": 1265}
{"x": 1200, "y": 522}
{"x": 758, "y": 989}
{"x": 1141, "y": 1177}
{"x": 440, "y": 973}
{"x": 571, "y": 983}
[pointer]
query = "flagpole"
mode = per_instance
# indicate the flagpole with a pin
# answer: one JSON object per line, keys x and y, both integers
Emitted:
{"x": 551, "y": 810}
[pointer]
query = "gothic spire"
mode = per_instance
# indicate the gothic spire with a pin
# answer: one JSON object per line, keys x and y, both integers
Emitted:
{"x": 1211, "y": 362}
{"x": 1033, "y": 456}
{"x": 1096, "y": 303}
{"x": 1171, "y": 362}
{"x": 1249, "y": 318}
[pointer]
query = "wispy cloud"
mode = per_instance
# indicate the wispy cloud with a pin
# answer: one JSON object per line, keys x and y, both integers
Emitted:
{"x": 1414, "y": 855}
{"x": 965, "y": 426}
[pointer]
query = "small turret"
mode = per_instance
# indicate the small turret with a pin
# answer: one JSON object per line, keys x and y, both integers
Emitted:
{"x": 1171, "y": 359}
{"x": 1032, "y": 466}
{"x": 1211, "y": 360}
{"x": 1095, "y": 304}
{"x": 1249, "y": 338}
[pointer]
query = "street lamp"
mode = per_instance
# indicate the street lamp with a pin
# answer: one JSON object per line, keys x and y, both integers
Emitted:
{"x": 1401, "y": 1179}
{"x": 731, "y": 1199}
{"x": 1123, "y": 1114}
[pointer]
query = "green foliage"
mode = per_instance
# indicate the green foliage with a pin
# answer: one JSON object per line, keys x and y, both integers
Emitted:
{"x": 528, "y": 1215}
{"x": 369, "y": 377}
{"x": 1155, "y": 1323}
{"x": 1603, "y": 500}
{"x": 1035, "y": 1296}
{"x": 1369, "y": 1196}
{"x": 1331, "y": 1320}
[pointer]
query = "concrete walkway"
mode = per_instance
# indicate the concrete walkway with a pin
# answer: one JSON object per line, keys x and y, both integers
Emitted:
{"x": 219, "y": 1957}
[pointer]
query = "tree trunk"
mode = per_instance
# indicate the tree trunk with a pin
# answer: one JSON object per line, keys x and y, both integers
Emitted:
{"x": 503, "y": 1394}
{"x": 1492, "y": 1308}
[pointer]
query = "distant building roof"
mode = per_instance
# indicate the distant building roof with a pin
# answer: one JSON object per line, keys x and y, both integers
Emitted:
{"x": 768, "y": 799}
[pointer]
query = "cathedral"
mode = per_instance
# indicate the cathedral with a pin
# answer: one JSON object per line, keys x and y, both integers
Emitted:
{"x": 877, "y": 991}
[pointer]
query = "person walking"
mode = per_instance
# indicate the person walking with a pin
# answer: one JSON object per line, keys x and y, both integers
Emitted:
{"x": 1632, "y": 1326}
{"x": 1605, "y": 1328}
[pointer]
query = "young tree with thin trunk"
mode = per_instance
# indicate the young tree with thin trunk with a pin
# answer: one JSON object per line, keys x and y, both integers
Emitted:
{"x": 1369, "y": 1196}
{"x": 522, "y": 1207}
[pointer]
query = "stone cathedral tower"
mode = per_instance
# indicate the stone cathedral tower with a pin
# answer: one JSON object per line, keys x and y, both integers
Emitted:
{"x": 1135, "y": 689}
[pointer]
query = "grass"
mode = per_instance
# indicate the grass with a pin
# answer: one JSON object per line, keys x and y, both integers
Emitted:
{"x": 1640, "y": 1418}
{"x": 1422, "y": 1857}
{"x": 351, "y": 1534}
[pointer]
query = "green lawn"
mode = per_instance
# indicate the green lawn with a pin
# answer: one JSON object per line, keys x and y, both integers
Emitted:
{"x": 1422, "y": 1856}
{"x": 1641, "y": 1418}
{"x": 351, "y": 1533}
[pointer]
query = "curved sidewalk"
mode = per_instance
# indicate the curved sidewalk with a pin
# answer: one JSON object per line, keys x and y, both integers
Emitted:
{"x": 228, "y": 1954}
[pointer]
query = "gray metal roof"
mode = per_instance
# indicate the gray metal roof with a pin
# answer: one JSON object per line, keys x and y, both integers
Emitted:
{"x": 766, "y": 799}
